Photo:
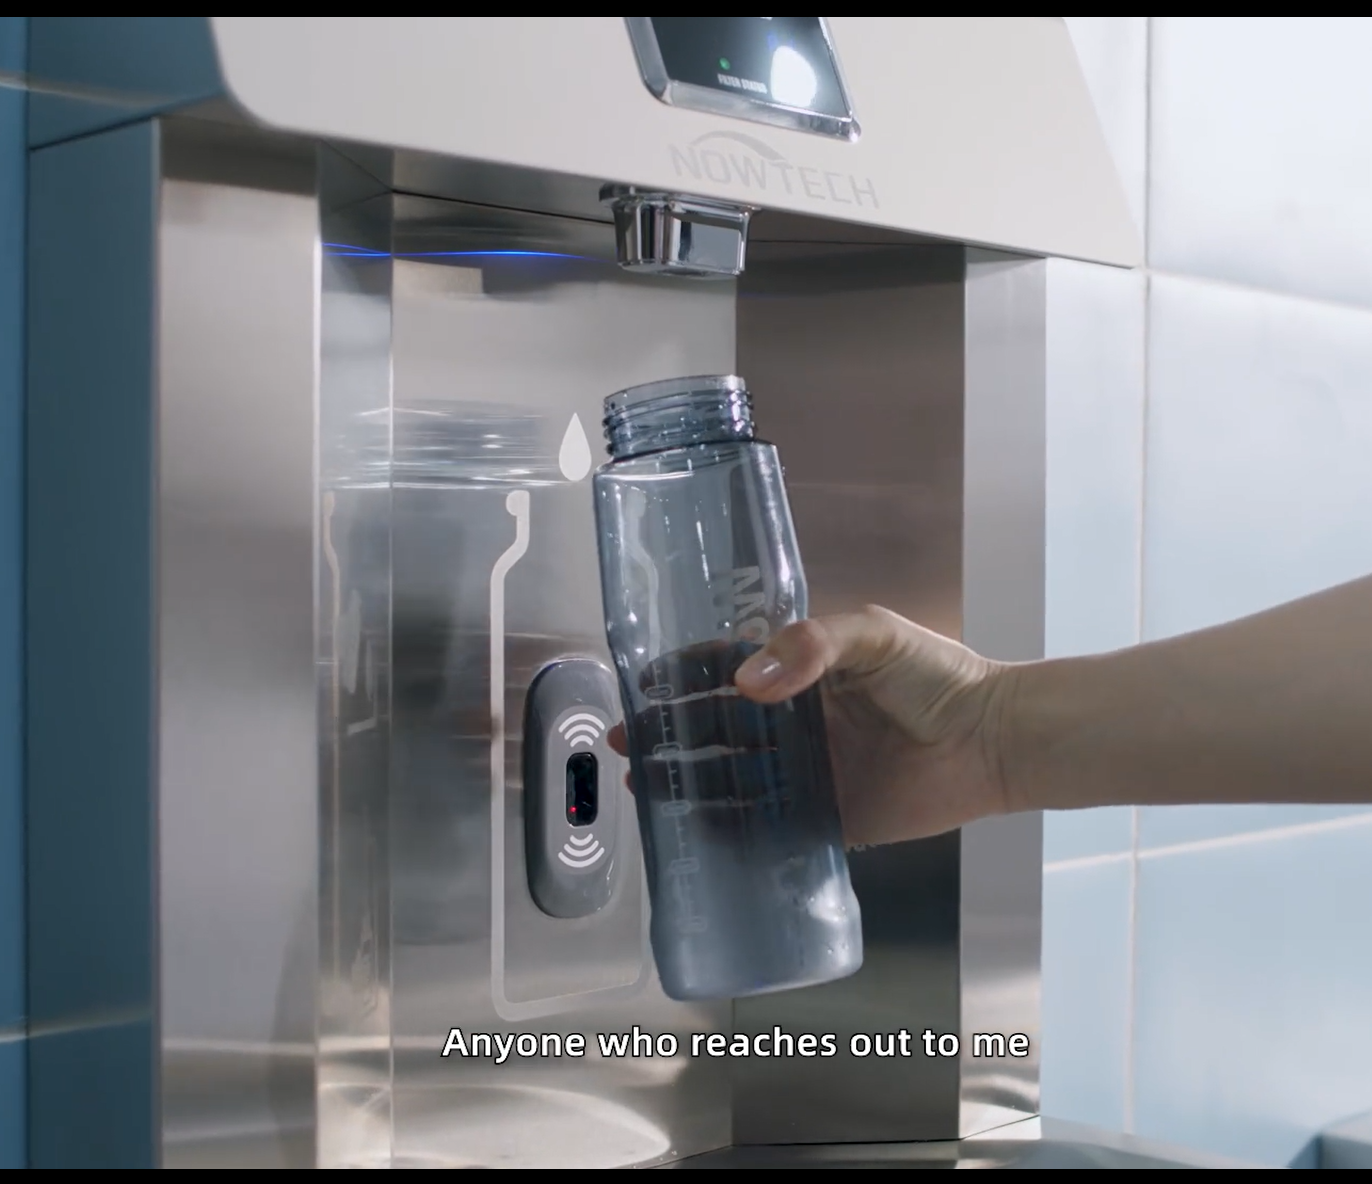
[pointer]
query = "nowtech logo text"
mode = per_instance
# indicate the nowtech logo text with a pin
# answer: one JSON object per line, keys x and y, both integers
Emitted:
{"x": 732, "y": 158}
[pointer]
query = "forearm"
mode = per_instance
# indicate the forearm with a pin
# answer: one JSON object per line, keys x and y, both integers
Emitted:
{"x": 1271, "y": 708}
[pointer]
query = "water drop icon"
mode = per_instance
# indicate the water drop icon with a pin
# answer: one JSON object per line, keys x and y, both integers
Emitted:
{"x": 574, "y": 457}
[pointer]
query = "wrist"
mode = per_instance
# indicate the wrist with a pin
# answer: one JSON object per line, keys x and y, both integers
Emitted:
{"x": 1058, "y": 742}
{"x": 1040, "y": 724}
{"x": 1004, "y": 734}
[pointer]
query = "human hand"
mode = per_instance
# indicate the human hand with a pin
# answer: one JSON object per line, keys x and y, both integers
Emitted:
{"x": 913, "y": 719}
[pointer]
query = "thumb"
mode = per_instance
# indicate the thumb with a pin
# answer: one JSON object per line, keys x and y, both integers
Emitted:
{"x": 803, "y": 653}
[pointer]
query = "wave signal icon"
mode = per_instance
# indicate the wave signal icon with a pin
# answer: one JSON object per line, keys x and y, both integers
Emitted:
{"x": 581, "y": 851}
{"x": 582, "y": 729}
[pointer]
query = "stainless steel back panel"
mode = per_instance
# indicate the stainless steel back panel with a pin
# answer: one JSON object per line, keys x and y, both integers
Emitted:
{"x": 1034, "y": 1143}
{"x": 1005, "y": 466}
{"x": 470, "y": 454}
{"x": 855, "y": 355}
{"x": 237, "y": 724}
{"x": 904, "y": 388}
{"x": 355, "y": 671}
{"x": 379, "y": 415}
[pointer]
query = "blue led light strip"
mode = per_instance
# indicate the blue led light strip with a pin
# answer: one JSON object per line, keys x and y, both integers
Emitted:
{"x": 347, "y": 251}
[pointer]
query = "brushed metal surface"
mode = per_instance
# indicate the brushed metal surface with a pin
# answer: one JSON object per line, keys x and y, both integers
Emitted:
{"x": 664, "y": 234}
{"x": 854, "y": 356}
{"x": 1004, "y": 537}
{"x": 496, "y": 361}
{"x": 406, "y": 547}
{"x": 355, "y": 671}
{"x": 904, "y": 389}
{"x": 236, "y": 840}
{"x": 1030, "y": 1143}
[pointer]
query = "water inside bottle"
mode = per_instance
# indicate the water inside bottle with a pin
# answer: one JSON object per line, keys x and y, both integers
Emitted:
{"x": 752, "y": 890}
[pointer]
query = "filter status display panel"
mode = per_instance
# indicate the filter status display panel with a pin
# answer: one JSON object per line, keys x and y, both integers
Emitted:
{"x": 781, "y": 70}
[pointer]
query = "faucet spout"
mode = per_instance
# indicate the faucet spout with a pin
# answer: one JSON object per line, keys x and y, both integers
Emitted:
{"x": 660, "y": 233}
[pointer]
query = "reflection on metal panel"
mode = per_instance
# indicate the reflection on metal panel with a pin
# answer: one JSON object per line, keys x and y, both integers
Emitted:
{"x": 854, "y": 354}
{"x": 1001, "y": 888}
{"x": 493, "y": 576}
{"x": 360, "y": 583}
{"x": 906, "y": 397}
{"x": 356, "y": 674}
{"x": 237, "y": 825}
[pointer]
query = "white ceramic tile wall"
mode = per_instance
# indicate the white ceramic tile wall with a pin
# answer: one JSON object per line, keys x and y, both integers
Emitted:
{"x": 1259, "y": 484}
{"x": 1261, "y": 133}
{"x": 1095, "y": 441}
{"x": 1086, "y": 958}
{"x": 1095, "y": 422}
{"x": 1206, "y": 970}
{"x": 1095, "y": 360}
{"x": 1259, "y": 451}
{"x": 1095, "y": 390}
{"x": 1254, "y": 990}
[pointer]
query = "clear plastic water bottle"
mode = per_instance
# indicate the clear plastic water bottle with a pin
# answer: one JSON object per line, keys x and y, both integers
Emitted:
{"x": 746, "y": 868}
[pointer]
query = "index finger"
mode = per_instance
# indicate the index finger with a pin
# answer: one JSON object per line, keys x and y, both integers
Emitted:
{"x": 805, "y": 651}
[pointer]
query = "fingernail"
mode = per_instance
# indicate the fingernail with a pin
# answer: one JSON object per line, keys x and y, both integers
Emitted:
{"x": 761, "y": 670}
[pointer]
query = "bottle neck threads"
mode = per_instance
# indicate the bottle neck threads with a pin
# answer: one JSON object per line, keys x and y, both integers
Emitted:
{"x": 678, "y": 413}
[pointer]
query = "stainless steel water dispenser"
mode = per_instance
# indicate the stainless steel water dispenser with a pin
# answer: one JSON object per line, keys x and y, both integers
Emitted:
{"x": 322, "y": 314}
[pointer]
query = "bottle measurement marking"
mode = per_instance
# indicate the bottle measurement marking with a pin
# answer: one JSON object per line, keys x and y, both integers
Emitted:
{"x": 685, "y": 866}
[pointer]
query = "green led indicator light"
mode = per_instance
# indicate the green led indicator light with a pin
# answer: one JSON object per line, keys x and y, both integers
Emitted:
{"x": 723, "y": 63}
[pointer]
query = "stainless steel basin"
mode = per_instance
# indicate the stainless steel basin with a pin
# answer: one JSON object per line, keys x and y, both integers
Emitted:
{"x": 1033, "y": 1143}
